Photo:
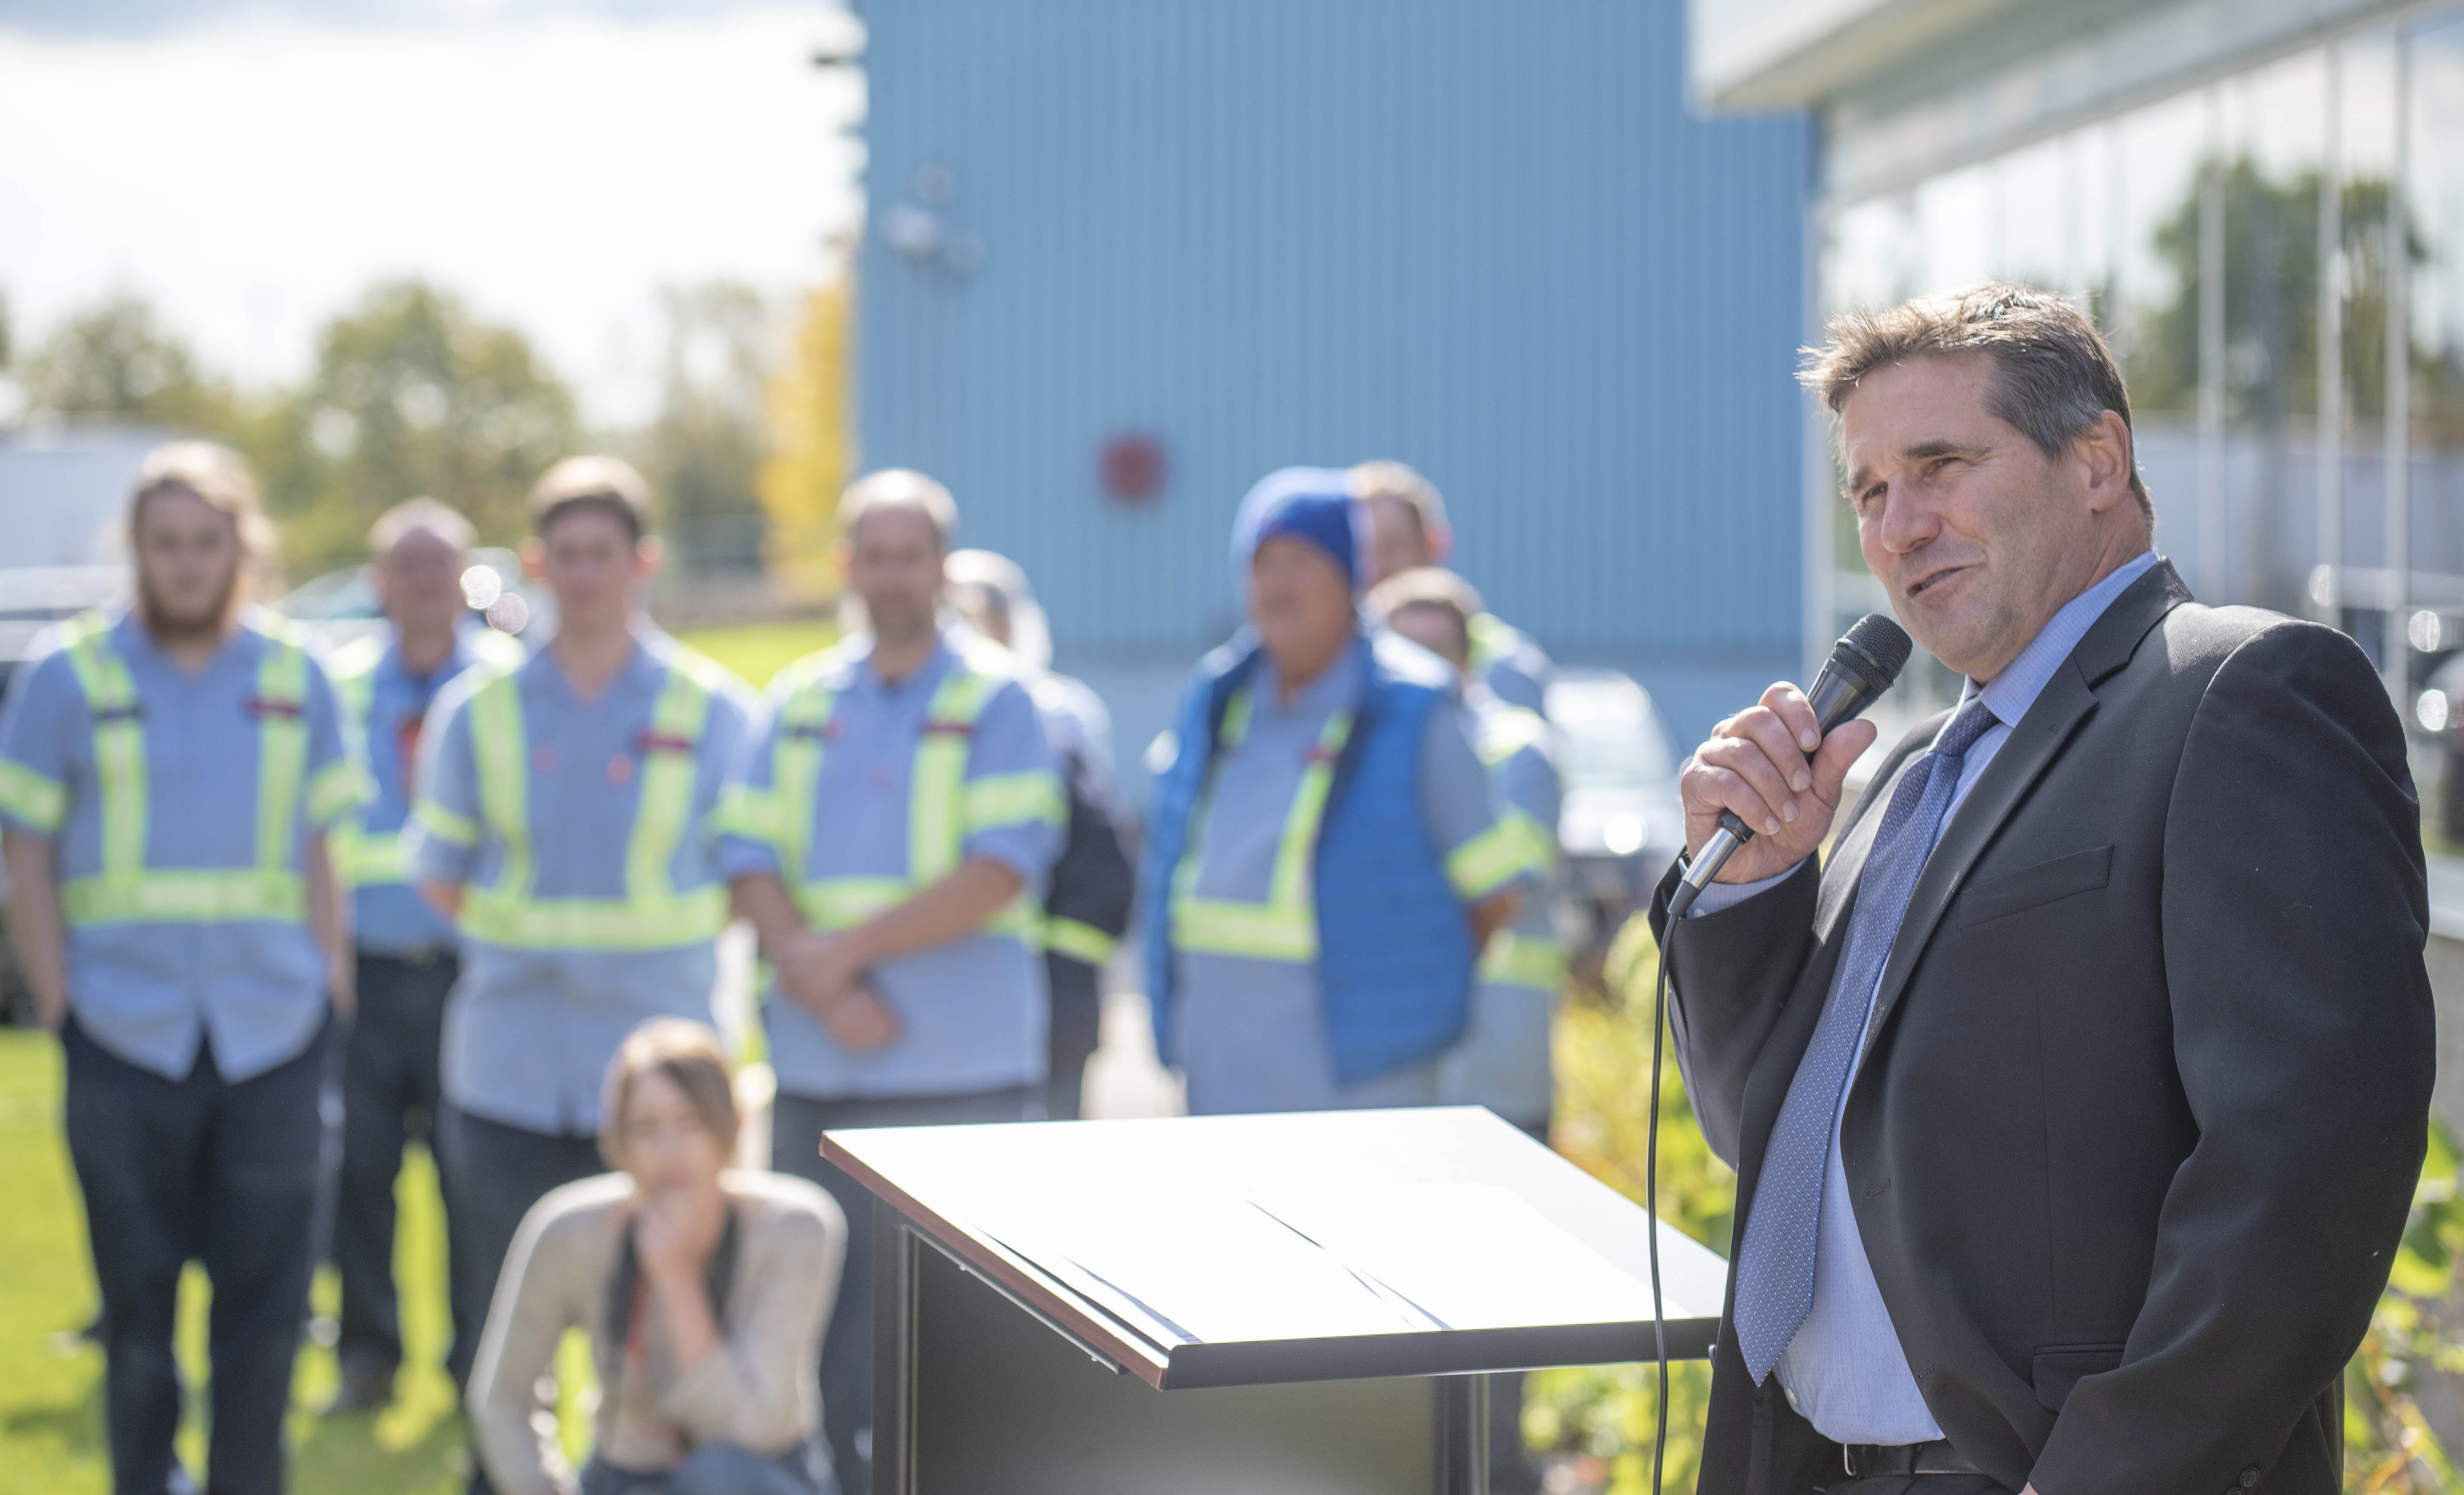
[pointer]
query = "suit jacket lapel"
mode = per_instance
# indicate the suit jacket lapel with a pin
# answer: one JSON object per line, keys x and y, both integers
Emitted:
{"x": 2067, "y": 700}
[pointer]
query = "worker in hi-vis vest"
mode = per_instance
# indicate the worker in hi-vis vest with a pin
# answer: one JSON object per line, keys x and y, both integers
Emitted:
{"x": 1325, "y": 859}
{"x": 888, "y": 838}
{"x": 1408, "y": 521}
{"x": 1086, "y": 896}
{"x": 168, "y": 781}
{"x": 1503, "y": 1062}
{"x": 564, "y": 821}
{"x": 406, "y": 954}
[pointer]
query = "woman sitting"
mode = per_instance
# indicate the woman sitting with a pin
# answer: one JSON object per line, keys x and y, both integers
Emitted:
{"x": 704, "y": 1291}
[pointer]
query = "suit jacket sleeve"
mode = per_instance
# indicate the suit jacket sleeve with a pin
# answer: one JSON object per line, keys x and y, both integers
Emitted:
{"x": 2294, "y": 909}
{"x": 1732, "y": 971}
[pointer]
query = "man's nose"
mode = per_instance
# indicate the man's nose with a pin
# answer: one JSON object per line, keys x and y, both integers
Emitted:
{"x": 1907, "y": 524}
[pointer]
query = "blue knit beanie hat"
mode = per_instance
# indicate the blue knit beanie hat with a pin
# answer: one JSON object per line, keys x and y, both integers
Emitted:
{"x": 1311, "y": 503}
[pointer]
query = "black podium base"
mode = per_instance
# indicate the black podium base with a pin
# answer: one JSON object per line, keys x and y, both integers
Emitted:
{"x": 996, "y": 1400}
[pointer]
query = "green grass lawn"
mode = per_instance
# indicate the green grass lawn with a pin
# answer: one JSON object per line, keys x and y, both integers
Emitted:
{"x": 51, "y": 1381}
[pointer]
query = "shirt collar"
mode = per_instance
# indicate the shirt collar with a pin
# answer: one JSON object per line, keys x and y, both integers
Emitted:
{"x": 2009, "y": 693}
{"x": 868, "y": 679}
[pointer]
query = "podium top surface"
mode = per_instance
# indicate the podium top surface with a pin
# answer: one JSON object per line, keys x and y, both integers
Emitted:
{"x": 1241, "y": 1250}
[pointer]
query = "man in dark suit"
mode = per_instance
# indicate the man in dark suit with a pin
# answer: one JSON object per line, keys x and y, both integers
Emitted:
{"x": 2077, "y": 1102}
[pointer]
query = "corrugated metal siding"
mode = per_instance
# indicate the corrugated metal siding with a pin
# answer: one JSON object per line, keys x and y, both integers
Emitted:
{"x": 1486, "y": 240}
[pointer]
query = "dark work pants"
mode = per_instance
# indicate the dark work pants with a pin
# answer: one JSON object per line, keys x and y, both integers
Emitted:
{"x": 494, "y": 1174}
{"x": 1077, "y": 1022}
{"x": 796, "y": 1127}
{"x": 389, "y": 1094}
{"x": 217, "y": 1170}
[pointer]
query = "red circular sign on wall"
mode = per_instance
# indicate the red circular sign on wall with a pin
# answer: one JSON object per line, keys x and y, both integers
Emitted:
{"x": 1131, "y": 466}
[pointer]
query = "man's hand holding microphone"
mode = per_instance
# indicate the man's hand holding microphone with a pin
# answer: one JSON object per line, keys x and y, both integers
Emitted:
{"x": 1760, "y": 795}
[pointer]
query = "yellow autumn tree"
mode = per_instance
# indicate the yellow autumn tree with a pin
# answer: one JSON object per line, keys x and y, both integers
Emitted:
{"x": 811, "y": 447}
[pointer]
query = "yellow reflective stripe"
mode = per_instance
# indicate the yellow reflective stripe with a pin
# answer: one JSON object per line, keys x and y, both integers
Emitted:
{"x": 1515, "y": 959}
{"x": 1488, "y": 861}
{"x": 28, "y": 796}
{"x": 1508, "y": 730}
{"x": 336, "y": 790}
{"x": 363, "y": 859}
{"x": 1493, "y": 639}
{"x": 836, "y": 903}
{"x": 935, "y": 833}
{"x": 184, "y": 895}
{"x": 1255, "y": 930}
{"x": 118, "y": 747}
{"x": 1295, "y": 857}
{"x": 281, "y": 748}
{"x": 517, "y": 923}
{"x": 744, "y": 810}
{"x": 445, "y": 825}
{"x": 501, "y": 750}
{"x": 1284, "y": 927}
{"x": 1014, "y": 800}
{"x": 664, "y": 807}
{"x": 1078, "y": 941}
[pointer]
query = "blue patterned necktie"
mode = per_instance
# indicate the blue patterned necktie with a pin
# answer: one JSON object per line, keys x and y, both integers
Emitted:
{"x": 1776, "y": 1269}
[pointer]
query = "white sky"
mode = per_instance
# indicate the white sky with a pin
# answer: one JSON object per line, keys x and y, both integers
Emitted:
{"x": 256, "y": 176}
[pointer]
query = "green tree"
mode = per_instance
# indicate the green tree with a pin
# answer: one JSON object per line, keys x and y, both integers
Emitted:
{"x": 412, "y": 394}
{"x": 704, "y": 451}
{"x": 117, "y": 363}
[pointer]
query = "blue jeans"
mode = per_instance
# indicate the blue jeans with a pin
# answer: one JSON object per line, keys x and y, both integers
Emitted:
{"x": 714, "y": 1469}
{"x": 223, "y": 1172}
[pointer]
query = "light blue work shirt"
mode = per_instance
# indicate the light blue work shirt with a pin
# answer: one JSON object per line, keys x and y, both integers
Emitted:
{"x": 972, "y": 1013}
{"x": 1845, "y": 1372}
{"x": 1251, "y": 1032}
{"x": 1503, "y": 1062}
{"x": 151, "y": 992}
{"x": 390, "y": 918}
{"x": 1510, "y": 663}
{"x": 528, "y": 1033}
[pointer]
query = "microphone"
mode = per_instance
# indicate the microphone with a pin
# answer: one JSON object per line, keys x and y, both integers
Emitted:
{"x": 1862, "y": 666}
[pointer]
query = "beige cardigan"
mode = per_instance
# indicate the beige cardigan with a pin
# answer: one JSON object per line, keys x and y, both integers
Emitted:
{"x": 759, "y": 1390}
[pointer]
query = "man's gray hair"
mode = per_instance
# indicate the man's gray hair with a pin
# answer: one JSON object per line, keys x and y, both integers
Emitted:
{"x": 2053, "y": 377}
{"x": 899, "y": 488}
{"x": 414, "y": 515}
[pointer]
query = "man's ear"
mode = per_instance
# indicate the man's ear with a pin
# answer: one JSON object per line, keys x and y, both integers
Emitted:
{"x": 534, "y": 556}
{"x": 650, "y": 553}
{"x": 2104, "y": 451}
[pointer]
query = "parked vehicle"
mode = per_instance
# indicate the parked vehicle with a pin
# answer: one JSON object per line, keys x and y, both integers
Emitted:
{"x": 1621, "y": 823}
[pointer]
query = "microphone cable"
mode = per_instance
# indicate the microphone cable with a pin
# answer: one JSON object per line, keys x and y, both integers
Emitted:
{"x": 1651, "y": 1202}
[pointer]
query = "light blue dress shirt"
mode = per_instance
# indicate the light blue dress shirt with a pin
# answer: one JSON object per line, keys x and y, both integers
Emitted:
{"x": 528, "y": 1033}
{"x": 392, "y": 918}
{"x": 150, "y": 993}
{"x": 971, "y": 1013}
{"x": 1503, "y": 1062}
{"x": 1251, "y": 1033}
{"x": 1845, "y": 1372}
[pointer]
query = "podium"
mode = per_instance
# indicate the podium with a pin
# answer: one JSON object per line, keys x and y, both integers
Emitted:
{"x": 1239, "y": 1304}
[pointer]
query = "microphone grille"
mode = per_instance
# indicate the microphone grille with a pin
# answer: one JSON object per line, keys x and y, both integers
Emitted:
{"x": 1884, "y": 642}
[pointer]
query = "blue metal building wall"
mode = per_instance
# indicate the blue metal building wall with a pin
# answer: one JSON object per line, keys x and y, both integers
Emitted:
{"x": 1490, "y": 240}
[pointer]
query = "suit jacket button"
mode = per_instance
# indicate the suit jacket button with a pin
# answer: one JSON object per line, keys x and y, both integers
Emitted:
{"x": 2249, "y": 1477}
